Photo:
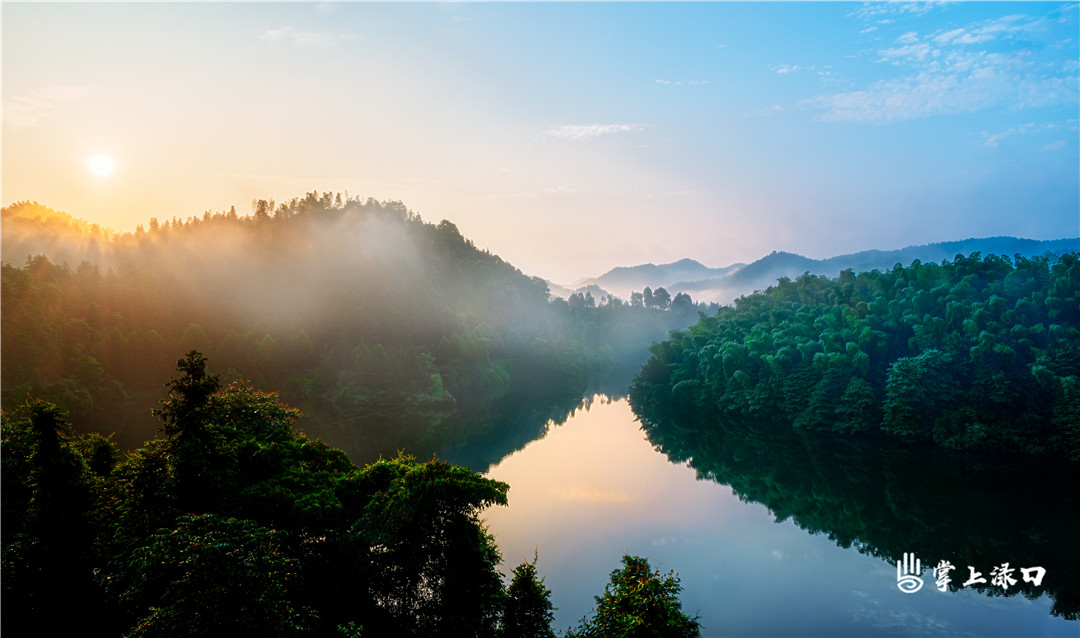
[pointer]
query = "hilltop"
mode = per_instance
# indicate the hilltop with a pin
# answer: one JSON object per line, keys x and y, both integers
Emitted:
{"x": 724, "y": 285}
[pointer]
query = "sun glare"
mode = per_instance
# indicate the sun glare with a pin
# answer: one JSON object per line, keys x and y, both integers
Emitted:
{"x": 101, "y": 165}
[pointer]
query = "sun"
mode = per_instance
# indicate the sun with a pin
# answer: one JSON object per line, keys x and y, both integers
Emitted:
{"x": 101, "y": 165}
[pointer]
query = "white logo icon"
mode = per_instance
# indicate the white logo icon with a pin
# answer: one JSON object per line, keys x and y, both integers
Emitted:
{"x": 909, "y": 574}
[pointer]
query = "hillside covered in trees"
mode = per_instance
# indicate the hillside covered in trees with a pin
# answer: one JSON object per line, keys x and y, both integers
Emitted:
{"x": 359, "y": 311}
{"x": 976, "y": 353}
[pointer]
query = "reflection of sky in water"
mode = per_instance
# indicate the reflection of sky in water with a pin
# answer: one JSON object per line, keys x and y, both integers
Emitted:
{"x": 594, "y": 489}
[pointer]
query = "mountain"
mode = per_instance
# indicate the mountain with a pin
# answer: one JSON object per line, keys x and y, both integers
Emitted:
{"x": 626, "y": 279}
{"x": 766, "y": 271}
{"x": 724, "y": 285}
{"x": 562, "y": 291}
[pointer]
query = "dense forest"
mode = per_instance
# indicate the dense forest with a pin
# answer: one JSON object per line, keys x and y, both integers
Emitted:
{"x": 361, "y": 313}
{"x": 976, "y": 353}
{"x": 232, "y": 523}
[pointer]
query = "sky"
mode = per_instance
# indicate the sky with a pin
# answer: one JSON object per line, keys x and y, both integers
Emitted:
{"x": 566, "y": 138}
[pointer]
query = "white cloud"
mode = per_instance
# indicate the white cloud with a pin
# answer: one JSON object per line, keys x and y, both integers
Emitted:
{"x": 1031, "y": 128}
{"x": 299, "y": 38}
{"x": 908, "y": 98}
{"x": 948, "y": 36}
{"x": 897, "y": 55}
{"x": 874, "y": 9}
{"x": 22, "y": 111}
{"x": 989, "y": 30}
{"x": 791, "y": 68}
{"x": 943, "y": 73}
{"x": 992, "y": 141}
{"x": 680, "y": 82}
{"x": 586, "y": 131}
{"x": 275, "y": 35}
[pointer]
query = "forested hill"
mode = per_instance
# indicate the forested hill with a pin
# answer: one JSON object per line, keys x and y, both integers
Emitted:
{"x": 351, "y": 307}
{"x": 976, "y": 353}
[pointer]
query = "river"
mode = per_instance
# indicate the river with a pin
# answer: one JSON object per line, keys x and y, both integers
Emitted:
{"x": 594, "y": 488}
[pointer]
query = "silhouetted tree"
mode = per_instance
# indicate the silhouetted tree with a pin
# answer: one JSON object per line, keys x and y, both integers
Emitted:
{"x": 528, "y": 612}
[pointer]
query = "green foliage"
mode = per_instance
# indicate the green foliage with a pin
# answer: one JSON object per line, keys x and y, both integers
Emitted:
{"x": 183, "y": 414}
{"x": 49, "y": 526}
{"x": 215, "y": 576}
{"x": 639, "y": 602}
{"x": 432, "y": 553}
{"x": 528, "y": 612}
{"x": 280, "y": 535}
{"x": 977, "y": 353}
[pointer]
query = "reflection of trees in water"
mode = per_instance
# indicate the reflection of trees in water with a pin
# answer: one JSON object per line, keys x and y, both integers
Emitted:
{"x": 508, "y": 425}
{"x": 480, "y": 430}
{"x": 482, "y": 435}
{"x": 885, "y": 498}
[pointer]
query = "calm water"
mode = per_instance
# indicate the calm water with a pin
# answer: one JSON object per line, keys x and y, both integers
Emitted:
{"x": 595, "y": 488}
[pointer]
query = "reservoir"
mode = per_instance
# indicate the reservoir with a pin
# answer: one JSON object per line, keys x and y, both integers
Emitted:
{"x": 595, "y": 487}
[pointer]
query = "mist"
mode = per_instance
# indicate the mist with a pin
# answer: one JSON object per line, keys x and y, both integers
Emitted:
{"x": 348, "y": 307}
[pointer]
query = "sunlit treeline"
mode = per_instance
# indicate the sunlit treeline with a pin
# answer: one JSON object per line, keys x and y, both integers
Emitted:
{"x": 348, "y": 306}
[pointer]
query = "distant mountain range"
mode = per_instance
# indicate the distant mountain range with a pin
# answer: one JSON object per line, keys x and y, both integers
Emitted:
{"x": 724, "y": 285}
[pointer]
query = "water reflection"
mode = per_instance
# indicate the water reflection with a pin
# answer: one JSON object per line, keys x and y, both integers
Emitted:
{"x": 886, "y": 499}
{"x": 595, "y": 488}
{"x": 478, "y": 431}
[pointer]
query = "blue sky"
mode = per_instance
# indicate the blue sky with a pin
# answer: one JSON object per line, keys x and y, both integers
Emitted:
{"x": 566, "y": 138}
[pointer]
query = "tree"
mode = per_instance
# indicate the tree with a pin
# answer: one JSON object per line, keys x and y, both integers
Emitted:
{"x": 528, "y": 612}
{"x": 434, "y": 568}
{"x": 639, "y": 603}
{"x": 662, "y": 298}
{"x": 214, "y": 575}
{"x": 185, "y": 416}
{"x": 682, "y": 304}
{"x": 48, "y": 533}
